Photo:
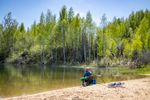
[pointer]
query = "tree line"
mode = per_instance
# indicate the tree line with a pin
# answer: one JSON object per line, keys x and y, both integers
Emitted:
{"x": 73, "y": 39}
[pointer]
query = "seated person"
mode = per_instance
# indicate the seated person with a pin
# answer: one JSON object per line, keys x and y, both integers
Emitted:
{"x": 88, "y": 75}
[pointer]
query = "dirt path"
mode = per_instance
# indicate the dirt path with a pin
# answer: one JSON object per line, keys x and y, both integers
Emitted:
{"x": 138, "y": 89}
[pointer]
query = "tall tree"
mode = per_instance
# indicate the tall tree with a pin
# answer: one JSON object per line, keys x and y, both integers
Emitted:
{"x": 10, "y": 27}
{"x": 22, "y": 28}
{"x": 77, "y": 29}
{"x": 1, "y": 42}
{"x": 84, "y": 44}
{"x": 49, "y": 27}
{"x": 34, "y": 29}
{"x": 70, "y": 20}
{"x": 104, "y": 24}
{"x": 89, "y": 25}
{"x": 63, "y": 20}
{"x": 41, "y": 32}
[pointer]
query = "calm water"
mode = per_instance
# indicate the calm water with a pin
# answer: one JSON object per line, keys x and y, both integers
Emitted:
{"x": 16, "y": 81}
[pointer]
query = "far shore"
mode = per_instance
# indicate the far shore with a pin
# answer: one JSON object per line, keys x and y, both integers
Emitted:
{"x": 138, "y": 89}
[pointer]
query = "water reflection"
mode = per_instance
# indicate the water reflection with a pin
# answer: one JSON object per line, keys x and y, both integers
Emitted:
{"x": 16, "y": 81}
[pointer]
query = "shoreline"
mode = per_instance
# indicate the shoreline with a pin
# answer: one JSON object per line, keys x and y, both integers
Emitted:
{"x": 137, "y": 89}
{"x": 37, "y": 93}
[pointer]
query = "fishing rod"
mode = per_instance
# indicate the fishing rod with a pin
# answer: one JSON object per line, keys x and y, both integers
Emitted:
{"x": 100, "y": 77}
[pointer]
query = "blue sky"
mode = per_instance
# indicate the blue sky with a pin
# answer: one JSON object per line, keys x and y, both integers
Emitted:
{"x": 27, "y": 11}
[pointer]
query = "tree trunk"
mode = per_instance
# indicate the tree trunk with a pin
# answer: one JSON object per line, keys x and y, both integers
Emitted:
{"x": 51, "y": 53}
{"x": 76, "y": 49}
{"x": 56, "y": 51}
{"x": 72, "y": 49}
{"x": 103, "y": 48}
{"x": 43, "y": 50}
{"x": 70, "y": 45}
{"x": 51, "y": 48}
{"x": 40, "y": 50}
{"x": 64, "y": 42}
{"x": 119, "y": 48}
{"x": 85, "y": 44}
{"x": 97, "y": 54}
{"x": 94, "y": 50}
{"x": 89, "y": 47}
{"x": 80, "y": 46}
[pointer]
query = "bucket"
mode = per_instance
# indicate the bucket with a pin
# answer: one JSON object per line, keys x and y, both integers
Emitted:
{"x": 94, "y": 82}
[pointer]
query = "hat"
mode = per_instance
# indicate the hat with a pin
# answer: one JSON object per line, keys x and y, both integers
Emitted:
{"x": 87, "y": 68}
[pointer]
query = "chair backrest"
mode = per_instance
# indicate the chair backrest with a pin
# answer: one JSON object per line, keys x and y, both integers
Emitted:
{"x": 91, "y": 77}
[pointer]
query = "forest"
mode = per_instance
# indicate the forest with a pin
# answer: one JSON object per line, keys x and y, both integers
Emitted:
{"x": 75, "y": 40}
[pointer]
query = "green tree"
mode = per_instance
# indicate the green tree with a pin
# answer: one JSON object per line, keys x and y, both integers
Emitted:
{"x": 70, "y": 36}
{"x": 41, "y": 31}
{"x": 113, "y": 47}
{"x": 22, "y": 28}
{"x": 143, "y": 29}
{"x": 63, "y": 21}
{"x": 34, "y": 29}
{"x": 103, "y": 36}
{"x": 49, "y": 27}
{"x": 10, "y": 27}
{"x": 89, "y": 26}
{"x": 77, "y": 30}
{"x": 148, "y": 40}
{"x": 1, "y": 42}
{"x": 137, "y": 44}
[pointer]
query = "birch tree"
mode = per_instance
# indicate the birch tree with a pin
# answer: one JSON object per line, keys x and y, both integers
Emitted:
{"x": 70, "y": 20}
{"x": 63, "y": 20}
{"x": 89, "y": 25}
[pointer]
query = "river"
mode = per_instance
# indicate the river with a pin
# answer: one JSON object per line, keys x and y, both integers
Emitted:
{"x": 25, "y": 80}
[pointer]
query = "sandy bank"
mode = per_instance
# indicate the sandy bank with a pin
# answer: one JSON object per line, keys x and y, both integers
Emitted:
{"x": 138, "y": 89}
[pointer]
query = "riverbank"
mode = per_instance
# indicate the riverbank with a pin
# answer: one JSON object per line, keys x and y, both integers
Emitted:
{"x": 133, "y": 90}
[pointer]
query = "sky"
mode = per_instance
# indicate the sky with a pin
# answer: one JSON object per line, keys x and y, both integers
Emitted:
{"x": 27, "y": 11}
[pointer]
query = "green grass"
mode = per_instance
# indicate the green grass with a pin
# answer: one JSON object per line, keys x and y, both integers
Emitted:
{"x": 143, "y": 70}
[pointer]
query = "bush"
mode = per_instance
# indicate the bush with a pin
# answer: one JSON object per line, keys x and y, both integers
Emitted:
{"x": 141, "y": 60}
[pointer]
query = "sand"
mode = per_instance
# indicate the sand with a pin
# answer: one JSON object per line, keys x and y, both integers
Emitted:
{"x": 138, "y": 89}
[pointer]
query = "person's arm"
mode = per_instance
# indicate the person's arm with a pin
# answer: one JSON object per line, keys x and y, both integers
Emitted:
{"x": 85, "y": 75}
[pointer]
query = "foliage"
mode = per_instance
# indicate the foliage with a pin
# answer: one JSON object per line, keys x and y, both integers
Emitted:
{"x": 71, "y": 38}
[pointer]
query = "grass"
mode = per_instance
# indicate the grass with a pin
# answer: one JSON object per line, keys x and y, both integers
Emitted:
{"x": 143, "y": 70}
